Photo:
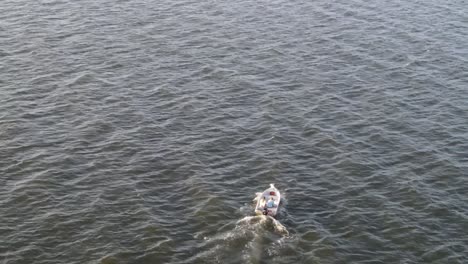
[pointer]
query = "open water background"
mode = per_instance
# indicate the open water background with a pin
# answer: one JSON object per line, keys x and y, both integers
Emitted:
{"x": 139, "y": 131}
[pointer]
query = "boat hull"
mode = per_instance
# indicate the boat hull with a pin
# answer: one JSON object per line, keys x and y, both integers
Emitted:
{"x": 262, "y": 207}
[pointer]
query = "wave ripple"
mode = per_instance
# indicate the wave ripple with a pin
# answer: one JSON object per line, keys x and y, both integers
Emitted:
{"x": 137, "y": 131}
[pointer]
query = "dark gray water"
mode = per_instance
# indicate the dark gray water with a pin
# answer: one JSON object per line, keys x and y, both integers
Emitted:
{"x": 139, "y": 131}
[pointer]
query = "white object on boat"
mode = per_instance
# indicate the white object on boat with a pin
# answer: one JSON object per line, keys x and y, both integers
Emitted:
{"x": 270, "y": 194}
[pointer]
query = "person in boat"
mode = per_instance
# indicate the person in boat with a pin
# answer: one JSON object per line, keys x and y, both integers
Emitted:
{"x": 271, "y": 203}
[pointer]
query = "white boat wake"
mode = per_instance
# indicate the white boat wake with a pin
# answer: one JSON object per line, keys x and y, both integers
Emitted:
{"x": 264, "y": 222}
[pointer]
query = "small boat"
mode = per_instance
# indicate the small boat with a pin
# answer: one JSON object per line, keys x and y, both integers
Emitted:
{"x": 268, "y": 201}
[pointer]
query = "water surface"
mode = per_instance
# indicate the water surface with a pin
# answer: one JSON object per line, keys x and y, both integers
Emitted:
{"x": 139, "y": 131}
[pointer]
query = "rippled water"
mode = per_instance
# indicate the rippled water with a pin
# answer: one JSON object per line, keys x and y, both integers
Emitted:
{"x": 139, "y": 131}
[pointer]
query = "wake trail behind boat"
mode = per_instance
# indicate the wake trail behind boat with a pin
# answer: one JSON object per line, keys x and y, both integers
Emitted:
{"x": 265, "y": 222}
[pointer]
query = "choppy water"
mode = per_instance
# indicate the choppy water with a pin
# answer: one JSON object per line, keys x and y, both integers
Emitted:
{"x": 139, "y": 131}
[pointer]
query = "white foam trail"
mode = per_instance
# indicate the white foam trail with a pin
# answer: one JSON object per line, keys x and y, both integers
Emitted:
{"x": 264, "y": 221}
{"x": 279, "y": 228}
